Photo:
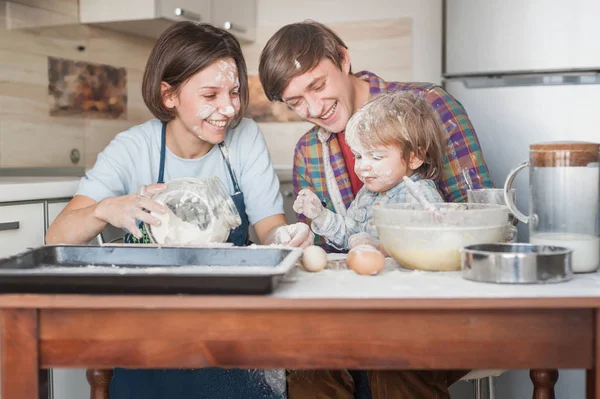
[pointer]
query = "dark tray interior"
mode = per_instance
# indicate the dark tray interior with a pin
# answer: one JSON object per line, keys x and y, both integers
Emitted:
{"x": 142, "y": 270}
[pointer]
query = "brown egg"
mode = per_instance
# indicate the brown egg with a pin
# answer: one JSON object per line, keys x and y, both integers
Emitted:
{"x": 365, "y": 260}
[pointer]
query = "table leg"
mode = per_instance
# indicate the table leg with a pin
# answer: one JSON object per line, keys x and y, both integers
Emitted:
{"x": 19, "y": 354}
{"x": 543, "y": 383}
{"x": 99, "y": 381}
{"x": 592, "y": 376}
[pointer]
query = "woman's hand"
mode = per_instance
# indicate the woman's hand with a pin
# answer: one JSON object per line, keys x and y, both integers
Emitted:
{"x": 124, "y": 211}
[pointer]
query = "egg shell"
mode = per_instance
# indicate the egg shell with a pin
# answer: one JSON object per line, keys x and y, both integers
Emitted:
{"x": 365, "y": 260}
{"x": 314, "y": 258}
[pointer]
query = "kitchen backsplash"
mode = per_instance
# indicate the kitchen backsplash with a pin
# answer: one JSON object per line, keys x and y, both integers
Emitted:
{"x": 31, "y": 137}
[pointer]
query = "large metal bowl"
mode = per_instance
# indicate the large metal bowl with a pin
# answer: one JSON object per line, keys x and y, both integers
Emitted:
{"x": 517, "y": 263}
{"x": 424, "y": 240}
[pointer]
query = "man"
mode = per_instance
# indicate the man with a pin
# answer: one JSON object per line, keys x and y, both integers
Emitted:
{"x": 307, "y": 66}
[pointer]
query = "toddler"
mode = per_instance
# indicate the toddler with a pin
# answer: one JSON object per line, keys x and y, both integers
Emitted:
{"x": 394, "y": 135}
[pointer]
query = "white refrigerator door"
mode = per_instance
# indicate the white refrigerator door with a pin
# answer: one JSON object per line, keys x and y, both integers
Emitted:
{"x": 489, "y": 36}
{"x": 508, "y": 119}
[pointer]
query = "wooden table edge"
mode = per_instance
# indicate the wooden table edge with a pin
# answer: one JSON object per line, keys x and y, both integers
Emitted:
{"x": 39, "y": 301}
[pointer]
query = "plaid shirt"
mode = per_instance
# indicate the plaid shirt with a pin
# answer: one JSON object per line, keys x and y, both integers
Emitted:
{"x": 337, "y": 229}
{"x": 462, "y": 152}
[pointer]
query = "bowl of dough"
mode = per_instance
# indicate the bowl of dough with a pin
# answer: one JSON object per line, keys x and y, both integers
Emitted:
{"x": 422, "y": 239}
{"x": 199, "y": 212}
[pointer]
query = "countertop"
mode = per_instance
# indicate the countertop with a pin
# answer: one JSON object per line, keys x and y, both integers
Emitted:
{"x": 17, "y": 187}
{"x": 27, "y": 188}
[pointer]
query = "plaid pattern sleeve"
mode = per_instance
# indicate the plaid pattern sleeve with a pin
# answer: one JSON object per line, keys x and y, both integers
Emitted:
{"x": 307, "y": 172}
{"x": 462, "y": 147}
{"x": 299, "y": 179}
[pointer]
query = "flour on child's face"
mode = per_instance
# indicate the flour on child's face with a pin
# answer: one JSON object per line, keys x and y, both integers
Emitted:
{"x": 210, "y": 100}
{"x": 380, "y": 167}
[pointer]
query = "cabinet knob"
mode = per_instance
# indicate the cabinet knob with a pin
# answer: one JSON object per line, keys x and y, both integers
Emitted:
{"x": 288, "y": 194}
{"x": 231, "y": 26}
{"x": 185, "y": 14}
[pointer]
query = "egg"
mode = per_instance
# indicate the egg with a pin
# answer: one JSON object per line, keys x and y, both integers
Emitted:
{"x": 365, "y": 260}
{"x": 314, "y": 258}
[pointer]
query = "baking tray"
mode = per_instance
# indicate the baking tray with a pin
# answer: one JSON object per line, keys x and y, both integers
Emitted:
{"x": 146, "y": 269}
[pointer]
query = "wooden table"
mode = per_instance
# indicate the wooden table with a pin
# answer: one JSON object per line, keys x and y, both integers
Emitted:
{"x": 295, "y": 329}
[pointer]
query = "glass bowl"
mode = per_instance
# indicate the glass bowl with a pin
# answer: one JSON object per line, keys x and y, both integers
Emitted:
{"x": 424, "y": 240}
{"x": 199, "y": 212}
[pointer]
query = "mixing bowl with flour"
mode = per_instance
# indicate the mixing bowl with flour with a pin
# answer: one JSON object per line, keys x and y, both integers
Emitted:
{"x": 199, "y": 212}
{"x": 420, "y": 240}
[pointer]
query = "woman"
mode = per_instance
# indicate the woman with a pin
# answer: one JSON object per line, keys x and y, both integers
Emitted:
{"x": 195, "y": 84}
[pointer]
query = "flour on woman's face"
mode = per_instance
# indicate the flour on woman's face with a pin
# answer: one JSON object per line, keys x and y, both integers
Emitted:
{"x": 210, "y": 100}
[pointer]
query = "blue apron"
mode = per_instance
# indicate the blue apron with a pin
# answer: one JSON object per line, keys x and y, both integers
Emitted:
{"x": 210, "y": 382}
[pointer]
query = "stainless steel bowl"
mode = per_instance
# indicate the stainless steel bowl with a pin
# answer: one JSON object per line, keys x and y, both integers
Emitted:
{"x": 516, "y": 263}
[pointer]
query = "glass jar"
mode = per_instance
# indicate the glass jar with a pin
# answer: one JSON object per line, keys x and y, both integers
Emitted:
{"x": 564, "y": 206}
{"x": 199, "y": 211}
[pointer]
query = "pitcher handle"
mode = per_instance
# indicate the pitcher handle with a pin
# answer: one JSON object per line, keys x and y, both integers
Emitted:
{"x": 508, "y": 185}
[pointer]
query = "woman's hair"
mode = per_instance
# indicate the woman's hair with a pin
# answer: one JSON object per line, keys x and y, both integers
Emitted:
{"x": 403, "y": 120}
{"x": 294, "y": 50}
{"x": 183, "y": 50}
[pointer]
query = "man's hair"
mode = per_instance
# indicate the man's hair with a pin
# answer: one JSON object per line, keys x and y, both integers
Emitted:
{"x": 296, "y": 49}
{"x": 183, "y": 50}
{"x": 403, "y": 120}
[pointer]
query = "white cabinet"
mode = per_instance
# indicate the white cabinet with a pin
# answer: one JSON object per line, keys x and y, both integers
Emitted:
{"x": 21, "y": 227}
{"x": 193, "y": 10}
{"x": 237, "y": 16}
{"x": 54, "y": 208}
{"x": 151, "y": 17}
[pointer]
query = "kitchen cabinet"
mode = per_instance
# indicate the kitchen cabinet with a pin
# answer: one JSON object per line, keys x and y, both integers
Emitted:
{"x": 151, "y": 17}
{"x": 54, "y": 208}
{"x": 21, "y": 227}
{"x": 237, "y": 16}
{"x": 23, "y": 224}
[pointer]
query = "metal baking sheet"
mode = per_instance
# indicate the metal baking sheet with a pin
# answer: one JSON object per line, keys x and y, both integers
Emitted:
{"x": 146, "y": 269}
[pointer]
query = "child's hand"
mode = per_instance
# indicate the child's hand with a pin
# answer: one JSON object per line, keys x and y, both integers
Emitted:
{"x": 359, "y": 239}
{"x": 308, "y": 204}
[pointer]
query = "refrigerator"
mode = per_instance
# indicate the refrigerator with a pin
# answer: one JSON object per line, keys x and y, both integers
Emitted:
{"x": 526, "y": 71}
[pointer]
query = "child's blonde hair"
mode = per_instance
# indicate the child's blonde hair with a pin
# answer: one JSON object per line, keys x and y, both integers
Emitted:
{"x": 403, "y": 120}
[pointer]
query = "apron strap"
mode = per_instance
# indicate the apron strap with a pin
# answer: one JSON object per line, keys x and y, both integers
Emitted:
{"x": 163, "y": 151}
{"x": 225, "y": 154}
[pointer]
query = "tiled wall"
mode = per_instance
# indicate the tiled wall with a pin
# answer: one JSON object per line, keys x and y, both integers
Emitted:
{"x": 29, "y": 136}
{"x": 381, "y": 38}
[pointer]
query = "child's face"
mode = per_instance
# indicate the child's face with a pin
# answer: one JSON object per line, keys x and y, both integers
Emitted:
{"x": 210, "y": 100}
{"x": 380, "y": 168}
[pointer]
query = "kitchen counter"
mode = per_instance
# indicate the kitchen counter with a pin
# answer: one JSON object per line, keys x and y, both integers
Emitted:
{"x": 26, "y": 188}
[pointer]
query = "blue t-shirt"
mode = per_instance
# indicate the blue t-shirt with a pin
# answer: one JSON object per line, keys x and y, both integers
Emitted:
{"x": 132, "y": 159}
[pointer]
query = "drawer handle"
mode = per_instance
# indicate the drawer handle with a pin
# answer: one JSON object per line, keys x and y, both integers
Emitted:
{"x": 9, "y": 226}
{"x": 231, "y": 26}
{"x": 185, "y": 14}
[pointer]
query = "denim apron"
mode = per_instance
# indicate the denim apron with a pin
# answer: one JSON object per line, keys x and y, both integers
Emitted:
{"x": 210, "y": 382}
